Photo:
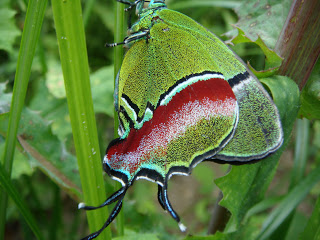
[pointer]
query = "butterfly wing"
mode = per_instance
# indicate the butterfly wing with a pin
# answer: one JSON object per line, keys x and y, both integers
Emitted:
{"x": 189, "y": 125}
{"x": 177, "y": 49}
{"x": 259, "y": 130}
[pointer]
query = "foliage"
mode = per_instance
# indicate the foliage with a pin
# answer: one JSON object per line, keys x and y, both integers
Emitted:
{"x": 45, "y": 180}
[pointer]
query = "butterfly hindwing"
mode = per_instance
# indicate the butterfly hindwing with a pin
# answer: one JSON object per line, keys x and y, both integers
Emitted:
{"x": 259, "y": 128}
{"x": 193, "y": 121}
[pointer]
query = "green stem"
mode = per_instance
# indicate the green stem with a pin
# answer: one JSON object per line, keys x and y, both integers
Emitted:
{"x": 299, "y": 41}
{"x": 30, "y": 37}
{"x": 75, "y": 67}
{"x": 118, "y": 57}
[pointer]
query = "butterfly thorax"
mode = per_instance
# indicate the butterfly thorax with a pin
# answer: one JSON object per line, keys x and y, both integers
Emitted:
{"x": 147, "y": 17}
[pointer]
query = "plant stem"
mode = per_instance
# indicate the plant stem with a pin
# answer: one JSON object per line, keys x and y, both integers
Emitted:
{"x": 219, "y": 218}
{"x": 118, "y": 57}
{"x": 30, "y": 37}
{"x": 299, "y": 41}
{"x": 74, "y": 61}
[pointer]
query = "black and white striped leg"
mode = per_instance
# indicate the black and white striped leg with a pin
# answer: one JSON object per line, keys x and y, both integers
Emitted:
{"x": 132, "y": 37}
{"x": 160, "y": 197}
{"x": 167, "y": 205}
{"x": 112, "y": 216}
{"x": 114, "y": 197}
{"x": 118, "y": 195}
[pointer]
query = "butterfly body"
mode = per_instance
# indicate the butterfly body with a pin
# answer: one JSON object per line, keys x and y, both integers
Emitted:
{"x": 182, "y": 97}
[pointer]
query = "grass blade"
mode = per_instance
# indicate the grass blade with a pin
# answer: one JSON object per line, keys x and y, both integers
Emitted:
{"x": 75, "y": 67}
{"x": 312, "y": 231}
{"x": 118, "y": 57}
{"x": 289, "y": 203}
{"x": 30, "y": 36}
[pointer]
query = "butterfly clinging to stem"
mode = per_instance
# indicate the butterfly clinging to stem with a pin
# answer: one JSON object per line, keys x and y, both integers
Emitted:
{"x": 182, "y": 97}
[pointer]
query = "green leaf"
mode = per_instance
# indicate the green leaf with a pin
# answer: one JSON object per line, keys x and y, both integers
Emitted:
{"x": 244, "y": 186}
{"x": 21, "y": 165}
{"x": 262, "y": 19}
{"x": 310, "y": 96}
{"x": 204, "y": 3}
{"x": 312, "y": 231}
{"x": 74, "y": 61}
{"x": 273, "y": 60}
{"x": 47, "y": 152}
{"x": 286, "y": 96}
{"x": 8, "y": 30}
{"x": 30, "y": 36}
{"x": 289, "y": 203}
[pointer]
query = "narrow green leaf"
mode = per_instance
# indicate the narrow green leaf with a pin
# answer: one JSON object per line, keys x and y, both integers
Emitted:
{"x": 7, "y": 185}
{"x": 312, "y": 231}
{"x": 74, "y": 61}
{"x": 30, "y": 36}
{"x": 289, "y": 203}
{"x": 262, "y": 206}
{"x": 118, "y": 57}
{"x": 301, "y": 151}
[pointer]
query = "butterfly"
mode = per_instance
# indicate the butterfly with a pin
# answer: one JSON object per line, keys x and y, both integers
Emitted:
{"x": 182, "y": 97}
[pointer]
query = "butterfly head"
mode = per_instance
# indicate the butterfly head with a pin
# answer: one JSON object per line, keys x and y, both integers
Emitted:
{"x": 144, "y": 5}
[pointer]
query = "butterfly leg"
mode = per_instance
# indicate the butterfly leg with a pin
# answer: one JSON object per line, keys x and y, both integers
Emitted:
{"x": 118, "y": 195}
{"x": 160, "y": 197}
{"x": 114, "y": 197}
{"x": 163, "y": 197}
{"x": 112, "y": 216}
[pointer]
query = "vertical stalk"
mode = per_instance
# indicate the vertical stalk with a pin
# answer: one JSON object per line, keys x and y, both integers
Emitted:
{"x": 118, "y": 57}
{"x": 30, "y": 37}
{"x": 300, "y": 151}
{"x": 74, "y": 61}
{"x": 299, "y": 41}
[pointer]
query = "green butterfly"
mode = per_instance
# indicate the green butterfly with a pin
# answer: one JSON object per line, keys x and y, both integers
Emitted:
{"x": 182, "y": 97}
